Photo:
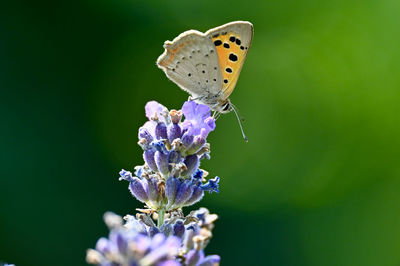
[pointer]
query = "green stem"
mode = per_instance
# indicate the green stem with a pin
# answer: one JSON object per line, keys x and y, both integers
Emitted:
{"x": 160, "y": 219}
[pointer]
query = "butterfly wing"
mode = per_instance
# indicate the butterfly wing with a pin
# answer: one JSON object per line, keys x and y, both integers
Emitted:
{"x": 191, "y": 61}
{"x": 232, "y": 42}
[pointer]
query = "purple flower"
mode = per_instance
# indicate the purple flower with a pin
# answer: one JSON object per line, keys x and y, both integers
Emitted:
{"x": 143, "y": 189}
{"x": 169, "y": 180}
{"x": 197, "y": 258}
{"x": 179, "y": 192}
{"x": 155, "y": 110}
{"x": 126, "y": 245}
{"x": 198, "y": 119}
{"x": 168, "y": 143}
{"x": 212, "y": 185}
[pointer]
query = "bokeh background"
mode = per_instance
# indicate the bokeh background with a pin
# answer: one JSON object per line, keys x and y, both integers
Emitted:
{"x": 317, "y": 183}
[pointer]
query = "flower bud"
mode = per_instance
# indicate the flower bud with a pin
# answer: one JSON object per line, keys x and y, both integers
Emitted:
{"x": 161, "y": 160}
{"x": 175, "y": 116}
{"x": 197, "y": 144}
{"x": 196, "y": 196}
{"x": 187, "y": 139}
{"x": 171, "y": 187}
{"x": 192, "y": 163}
{"x": 138, "y": 190}
{"x": 144, "y": 133}
{"x": 161, "y": 131}
{"x": 183, "y": 194}
{"x": 179, "y": 228}
{"x": 148, "y": 157}
{"x": 152, "y": 190}
{"x": 193, "y": 257}
{"x": 102, "y": 245}
{"x": 174, "y": 132}
{"x": 174, "y": 157}
{"x": 153, "y": 231}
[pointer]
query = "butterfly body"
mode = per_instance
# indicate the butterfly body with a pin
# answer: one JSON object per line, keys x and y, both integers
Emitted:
{"x": 207, "y": 65}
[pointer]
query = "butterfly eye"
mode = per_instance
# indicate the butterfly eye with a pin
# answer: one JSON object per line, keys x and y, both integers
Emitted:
{"x": 226, "y": 107}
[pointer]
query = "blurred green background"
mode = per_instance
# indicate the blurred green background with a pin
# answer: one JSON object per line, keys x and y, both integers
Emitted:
{"x": 317, "y": 183}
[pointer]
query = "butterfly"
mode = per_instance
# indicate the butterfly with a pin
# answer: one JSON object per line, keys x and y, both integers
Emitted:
{"x": 207, "y": 65}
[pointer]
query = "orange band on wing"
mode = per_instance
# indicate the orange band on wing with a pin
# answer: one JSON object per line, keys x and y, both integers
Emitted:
{"x": 231, "y": 54}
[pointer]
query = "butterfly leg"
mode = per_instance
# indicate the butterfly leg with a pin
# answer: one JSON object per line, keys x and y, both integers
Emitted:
{"x": 216, "y": 115}
{"x": 195, "y": 99}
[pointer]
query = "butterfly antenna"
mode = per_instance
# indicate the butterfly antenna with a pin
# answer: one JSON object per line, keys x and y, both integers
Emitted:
{"x": 238, "y": 113}
{"x": 240, "y": 122}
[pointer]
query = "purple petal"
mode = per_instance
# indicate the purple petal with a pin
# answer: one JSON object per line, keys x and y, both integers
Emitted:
{"x": 189, "y": 109}
{"x": 193, "y": 256}
{"x": 210, "y": 122}
{"x": 143, "y": 243}
{"x": 157, "y": 241}
{"x": 125, "y": 175}
{"x": 169, "y": 263}
{"x": 211, "y": 260}
{"x": 144, "y": 133}
{"x": 102, "y": 245}
{"x": 150, "y": 126}
{"x": 203, "y": 111}
{"x": 212, "y": 185}
{"x": 153, "y": 108}
{"x": 197, "y": 117}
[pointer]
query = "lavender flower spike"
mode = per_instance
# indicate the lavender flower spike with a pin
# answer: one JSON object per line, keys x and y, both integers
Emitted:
{"x": 164, "y": 132}
{"x": 169, "y": 180}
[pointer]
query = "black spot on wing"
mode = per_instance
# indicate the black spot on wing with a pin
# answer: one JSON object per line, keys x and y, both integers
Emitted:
{"x": 217, "y": 43}
{"x": 233, "y": 57}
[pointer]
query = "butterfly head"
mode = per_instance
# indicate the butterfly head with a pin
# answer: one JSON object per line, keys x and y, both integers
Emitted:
{"x": 224, "y": 107}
